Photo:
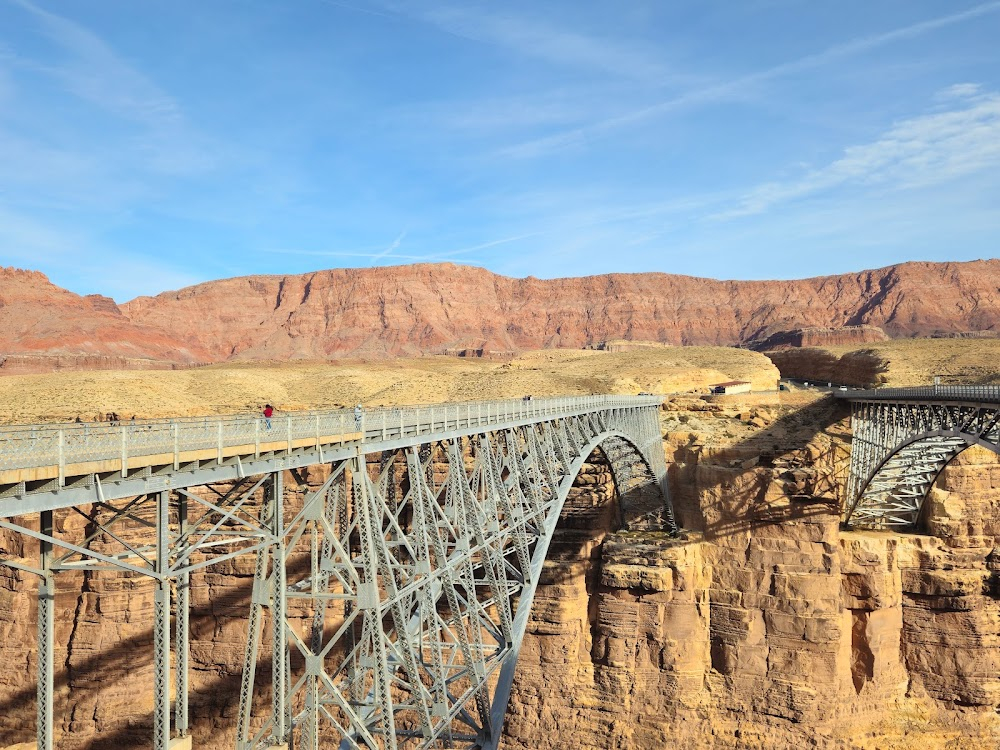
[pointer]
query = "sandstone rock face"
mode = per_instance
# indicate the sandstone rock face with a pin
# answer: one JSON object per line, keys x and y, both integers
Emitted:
{"x": 429, "y": 308}
{"x": 39, "y": 318}
{"x": 422, "y": 309}
{"x": 863, "y": 368}
{"x": 818, "y": 336}
{"x": 763, "y": 626}
{"x": 766, "y": 626}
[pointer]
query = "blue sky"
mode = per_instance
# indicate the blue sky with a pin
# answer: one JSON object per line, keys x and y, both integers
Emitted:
{"x": 146, "y": 146}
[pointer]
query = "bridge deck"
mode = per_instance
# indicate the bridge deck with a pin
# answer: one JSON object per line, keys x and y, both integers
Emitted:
{"x": 978, "y": 394}
{"x": 47, "y": 457}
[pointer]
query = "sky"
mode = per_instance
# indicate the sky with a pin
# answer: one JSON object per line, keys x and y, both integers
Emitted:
{"x": 147, "y": 146}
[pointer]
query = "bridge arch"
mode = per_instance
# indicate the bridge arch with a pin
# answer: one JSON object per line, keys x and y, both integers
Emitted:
{"x": 391, "y": 615}
{"x": 623, "y": 456}
{"x": 903, "y": 439}
{"x": 439, "y": 575}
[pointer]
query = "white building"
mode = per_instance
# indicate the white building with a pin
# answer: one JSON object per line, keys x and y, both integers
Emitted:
{"x": 733, "y": 386}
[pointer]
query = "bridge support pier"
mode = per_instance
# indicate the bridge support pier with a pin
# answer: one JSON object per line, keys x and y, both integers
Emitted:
{"x": 46, "y": 637}
{"x": 161, "y": 629}
{"x": 279, "y": 641}
{"x": 182, "y": 619}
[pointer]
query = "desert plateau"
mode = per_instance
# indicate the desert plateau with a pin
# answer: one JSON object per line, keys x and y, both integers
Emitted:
{"x": 464, "y": 375}
{"x": 763, "y": 624}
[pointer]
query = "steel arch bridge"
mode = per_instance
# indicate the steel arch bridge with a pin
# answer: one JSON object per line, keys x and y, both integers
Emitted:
{"x": 392, "y": 601}
{"x": 902, "y": 440}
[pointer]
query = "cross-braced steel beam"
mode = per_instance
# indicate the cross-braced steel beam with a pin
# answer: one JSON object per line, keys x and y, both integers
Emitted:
{"x": 422, "y": 550}
{"x": 903, "y": 439}
{"x": 433, "y": 552}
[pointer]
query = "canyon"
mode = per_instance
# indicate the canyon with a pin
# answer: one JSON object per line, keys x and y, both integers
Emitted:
{"x": 903, "y": 362}
{"x": 763, "y": 626}
{"x": 436, "y": 308}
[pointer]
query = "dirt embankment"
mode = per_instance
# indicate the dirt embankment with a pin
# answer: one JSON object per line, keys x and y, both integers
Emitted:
{"x": 903, "y": 362}
{"x": 235, "y": 388}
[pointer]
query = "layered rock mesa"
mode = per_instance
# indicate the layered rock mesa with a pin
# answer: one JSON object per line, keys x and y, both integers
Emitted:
{"x": 430, "y": 308}
{"x": 45, "y": 327}
{"x": 818, "y": 336}
{"x": 433, "y": 308}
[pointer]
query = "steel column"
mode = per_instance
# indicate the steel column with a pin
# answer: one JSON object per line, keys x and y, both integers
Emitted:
{"x": 161, "y": 628}
{"x": 279, "y": 641}
{"x": 46, "y": 638}
{"x": 182, "y": 619}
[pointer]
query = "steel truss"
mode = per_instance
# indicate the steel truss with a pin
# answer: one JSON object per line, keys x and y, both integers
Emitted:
{"x": 423, "y": 563}
{"x": 392, "y": 603}
{"x": 902, "y": 443}
{"x": 163, "y": 536}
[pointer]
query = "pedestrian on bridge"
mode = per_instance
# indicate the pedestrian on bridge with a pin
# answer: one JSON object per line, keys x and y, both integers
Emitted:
{"x": 268, "y": 411}
{"x": 357, "y": 417}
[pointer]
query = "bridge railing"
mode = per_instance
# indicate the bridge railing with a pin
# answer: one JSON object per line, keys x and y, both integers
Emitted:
{"x": 972, "y": 393}
{"x": 28, "y": 446}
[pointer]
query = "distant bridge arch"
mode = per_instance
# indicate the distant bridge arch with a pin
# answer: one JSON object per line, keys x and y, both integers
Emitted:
{"x": 903, "y": 438}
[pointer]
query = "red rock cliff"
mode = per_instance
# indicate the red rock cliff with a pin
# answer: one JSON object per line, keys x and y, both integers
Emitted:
{"x": 421, "y": 309}
{"x": 39, "y": 318}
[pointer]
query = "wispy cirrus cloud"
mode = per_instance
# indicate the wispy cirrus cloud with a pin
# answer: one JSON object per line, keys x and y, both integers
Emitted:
{"x": 95, "y": 73}
{"x": 152, "y": 126}
{"x": 737, "y": 87}
{"x": 532, "y": 36}
{"x": 373, "y": 256}
{"x": 916, "y": 152}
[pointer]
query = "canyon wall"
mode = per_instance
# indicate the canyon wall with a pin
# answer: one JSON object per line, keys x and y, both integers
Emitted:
{"x": 819, "y": 336}
{"x": 428, "y": 309}
{"x": 39, "y": 318}
{"x": 864, "y": 368}
{"x": 766, "y": 626}
{"x": 763, "y": 626}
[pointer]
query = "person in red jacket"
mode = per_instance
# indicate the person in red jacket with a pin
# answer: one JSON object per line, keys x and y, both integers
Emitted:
{"x": 268, "y": 411}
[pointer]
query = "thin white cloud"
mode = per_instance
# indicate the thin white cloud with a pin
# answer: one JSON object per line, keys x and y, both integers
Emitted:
{"x": 337, "y": 253}
{"x": 960, "y": 91}
{"x": 739, "y": 86}
{"x": 97, "y": 74}
{"x": 539, "y": 39}
{"x": 160, "y": 138}
{"x": 389, "y": 253}
{"x": 483, "y": 246}
{"x": 394, "y": 245}
{"x": 489, "y": 115}
{"x": 917, "y": 152}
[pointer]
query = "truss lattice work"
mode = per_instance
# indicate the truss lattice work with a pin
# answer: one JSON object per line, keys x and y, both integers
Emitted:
{"x": 391, "y": 604}
{"x": 903, "y": 439}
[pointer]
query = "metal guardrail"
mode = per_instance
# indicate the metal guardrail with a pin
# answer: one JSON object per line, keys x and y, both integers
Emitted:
{"x": 30, "y": 446}
{"x": 984, "y": 394}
